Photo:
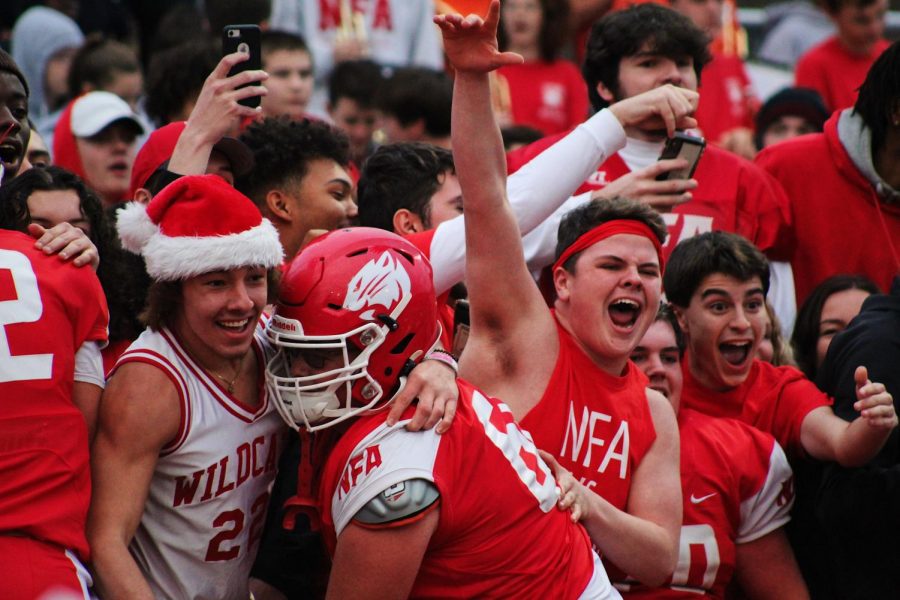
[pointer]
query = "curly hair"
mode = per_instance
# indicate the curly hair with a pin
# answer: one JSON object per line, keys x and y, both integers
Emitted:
{"x": 114, "y": 276}
{"x": 625, "y": 33}
{"x": 283, "y": 149}
{"x": 879, "y": 95}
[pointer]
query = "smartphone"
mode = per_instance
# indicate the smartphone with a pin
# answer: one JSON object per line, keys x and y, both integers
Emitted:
{"x": 243, "y": 38}
{"x": 682, "y": 145}
{"x": 460, "y": 326}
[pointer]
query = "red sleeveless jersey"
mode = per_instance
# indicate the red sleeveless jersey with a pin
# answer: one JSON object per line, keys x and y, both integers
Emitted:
{"x": 598, "y": 426}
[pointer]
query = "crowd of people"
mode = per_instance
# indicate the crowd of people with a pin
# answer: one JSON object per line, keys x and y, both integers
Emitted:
{"x": 418, "y": 309}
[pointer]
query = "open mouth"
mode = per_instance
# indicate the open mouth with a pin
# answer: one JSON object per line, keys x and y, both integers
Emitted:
{"x": 624, "y": 312}
{"x": 10, "y": 153}
{"x": 735, "y": 354}
{"x": 234, "y": 326}
{"x": 119, "y": 168}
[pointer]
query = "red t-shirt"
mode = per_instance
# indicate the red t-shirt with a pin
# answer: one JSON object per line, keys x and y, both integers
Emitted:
{"x": 48, "y": 309}
{"x": 726, "y": 97}
{"x": 772, "y": 399}
{"x": 549, "y": 96}
{"x": 500, "y": 533}
{"x": 834, "y": 72}
{"x": 732, "y": 195}
{"x": 737, "y": 487}
{"x": 840, "y": 224}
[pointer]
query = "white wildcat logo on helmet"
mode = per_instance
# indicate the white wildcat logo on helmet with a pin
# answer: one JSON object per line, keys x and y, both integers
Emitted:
{"x": 381, "y": 282}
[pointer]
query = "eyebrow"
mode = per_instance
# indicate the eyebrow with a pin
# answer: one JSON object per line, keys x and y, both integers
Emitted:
{"x": 832, "y": 321}
{"x": 721, "y": 292}
{"x": 622, "y": 260}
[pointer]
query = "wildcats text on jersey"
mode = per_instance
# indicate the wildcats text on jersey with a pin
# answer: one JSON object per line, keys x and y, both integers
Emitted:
{"x": 595, "y": 429}
{"x": 249, "y": 460}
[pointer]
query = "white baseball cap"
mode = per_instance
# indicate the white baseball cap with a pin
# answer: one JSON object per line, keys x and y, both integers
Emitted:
{"x": 97, "y": 110}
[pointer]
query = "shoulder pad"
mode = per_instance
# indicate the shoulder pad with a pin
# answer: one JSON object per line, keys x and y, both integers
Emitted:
{"x": 400, "y": 501}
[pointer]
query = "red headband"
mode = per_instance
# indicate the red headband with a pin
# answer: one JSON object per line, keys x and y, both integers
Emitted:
{"x": 609, "y": 229}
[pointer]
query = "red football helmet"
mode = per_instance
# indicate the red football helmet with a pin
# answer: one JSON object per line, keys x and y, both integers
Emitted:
{"x": 356, "y": 310}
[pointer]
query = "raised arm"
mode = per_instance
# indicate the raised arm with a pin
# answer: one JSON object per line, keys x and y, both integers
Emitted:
{"x": 139, "y": 414}
{"x": 216, "y": 114}
{"x": 509, "y": 316}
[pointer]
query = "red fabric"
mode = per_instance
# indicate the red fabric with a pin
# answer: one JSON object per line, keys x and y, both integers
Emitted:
{"x": 193, "y": 207}
{"x": 836, "y": 224}
{"x": 835, "y": 73}
{"x": 493, "y": 539}
{"x": 65, "y": 148}
{"x": 606, "y": 230}
{"x": 732, "y": 195}
{"x": 32, "y": 569}
{"x": 45, "y": 486}
{"x": 156, "y": 150}
{"x": 772, "y": 399}
{"x": 724, "y": 463}
{"x": 589, "y": 419}
{"x": 726, "y": 97}
{"x": 549, "y": 96}
{"x": 422, "y": 241}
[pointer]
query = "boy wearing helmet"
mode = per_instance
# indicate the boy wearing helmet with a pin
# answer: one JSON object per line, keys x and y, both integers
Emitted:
{"x": 469, "y": 513}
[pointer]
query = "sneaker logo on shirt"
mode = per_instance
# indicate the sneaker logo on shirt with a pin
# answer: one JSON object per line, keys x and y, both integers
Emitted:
{"x": 696, "y": 500}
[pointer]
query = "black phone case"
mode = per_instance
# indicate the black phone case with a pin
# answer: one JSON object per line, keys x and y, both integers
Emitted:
{"x": 233, "y": 37}
{"x": 675, "y": 147}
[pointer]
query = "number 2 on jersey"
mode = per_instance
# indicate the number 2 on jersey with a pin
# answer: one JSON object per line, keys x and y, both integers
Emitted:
{"x": 26, "y": 307}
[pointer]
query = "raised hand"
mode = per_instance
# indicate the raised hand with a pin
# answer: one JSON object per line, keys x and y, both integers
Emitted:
{"x": 873, "y": 401}
{"x": 641, "y": 185}
{"x": 470, "y": 43}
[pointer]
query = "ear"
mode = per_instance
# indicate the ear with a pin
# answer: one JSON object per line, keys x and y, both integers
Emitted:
{"x": 142, "y": 195}
{"x": 405, "y": 222}
{"x": 279, "y": 205}
{"x": 562, "y": 280}
{"x": 606, "y": 93}
{"x": 681, "y": 318}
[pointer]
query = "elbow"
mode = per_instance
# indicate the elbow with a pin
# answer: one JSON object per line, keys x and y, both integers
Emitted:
{"x": 656, "y": 572}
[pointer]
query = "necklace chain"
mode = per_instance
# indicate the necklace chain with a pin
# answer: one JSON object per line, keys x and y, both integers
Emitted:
{"x": 229, "y": 384}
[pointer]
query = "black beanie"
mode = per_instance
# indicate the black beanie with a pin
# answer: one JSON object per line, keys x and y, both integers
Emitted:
{"x": 793, "y": 101}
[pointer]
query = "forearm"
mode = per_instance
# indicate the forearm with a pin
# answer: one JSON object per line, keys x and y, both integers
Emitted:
{"x": 191, "y": 154}
{"x": 644, "y": 550}
{"x": 116, "y": 573}
{"x": 534, "y": 196}
{"x": 859, "y": 443}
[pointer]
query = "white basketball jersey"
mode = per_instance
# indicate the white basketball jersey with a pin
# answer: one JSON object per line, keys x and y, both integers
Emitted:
{"x": 206, "y": 508}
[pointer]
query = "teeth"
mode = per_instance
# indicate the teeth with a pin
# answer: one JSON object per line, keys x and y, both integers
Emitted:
{"x": 234, "y": 324}
{"x": 626, "y": 302}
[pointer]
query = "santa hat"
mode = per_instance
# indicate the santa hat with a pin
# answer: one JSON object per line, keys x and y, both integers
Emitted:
{"x": 195, "y": 225}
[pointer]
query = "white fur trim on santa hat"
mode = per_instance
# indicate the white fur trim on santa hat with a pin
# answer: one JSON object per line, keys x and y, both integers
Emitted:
{"x": 174, "y": 258}
{"x": 135, "y": 227}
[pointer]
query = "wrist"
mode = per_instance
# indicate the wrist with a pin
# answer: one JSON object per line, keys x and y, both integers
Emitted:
{"x": 443, "y": 357}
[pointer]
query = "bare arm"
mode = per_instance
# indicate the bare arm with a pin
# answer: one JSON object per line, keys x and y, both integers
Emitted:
{"x": 765, "y": 568}
{"x": 509, "y": 317}
{"x": 86, "y": 396}
{"x": 643, "y": 541}
{"x": 380, "y": 563}
{"x": 825, "y": 436}
{"x": 139, "y": 414}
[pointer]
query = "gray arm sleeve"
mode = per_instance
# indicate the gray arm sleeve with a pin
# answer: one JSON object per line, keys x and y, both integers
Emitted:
{"x": 400, "y": 501}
